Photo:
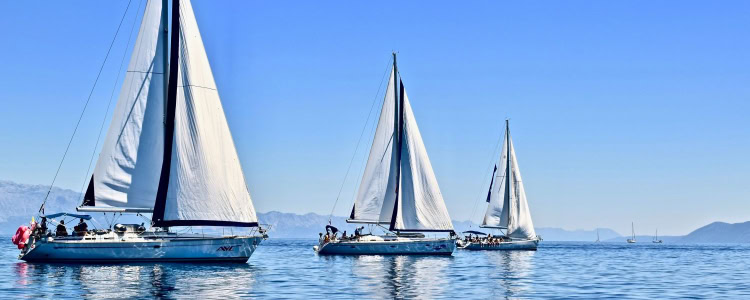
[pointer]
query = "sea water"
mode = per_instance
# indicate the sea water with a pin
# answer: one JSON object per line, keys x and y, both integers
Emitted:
{"x": 290, "y": 269}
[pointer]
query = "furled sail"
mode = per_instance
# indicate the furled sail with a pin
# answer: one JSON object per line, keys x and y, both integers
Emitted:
{"x": 377, "y": 188}
{"x": 126, "y": 175}
{"x": 508, "y": 207}
{"x": 206, "y": 183}
{"x": 420, "y": 204}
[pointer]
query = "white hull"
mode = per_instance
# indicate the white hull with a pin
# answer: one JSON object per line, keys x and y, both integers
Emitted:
{"x": 510, "y": 245}
{"x": 388, "y": 245}
{"x": 112, "y": 248}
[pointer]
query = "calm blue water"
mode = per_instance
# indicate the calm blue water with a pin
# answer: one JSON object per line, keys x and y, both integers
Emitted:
{"x": 290, "y": 269}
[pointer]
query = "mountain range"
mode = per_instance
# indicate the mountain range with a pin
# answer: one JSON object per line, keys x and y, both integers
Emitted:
{"x": 21, "y": 201}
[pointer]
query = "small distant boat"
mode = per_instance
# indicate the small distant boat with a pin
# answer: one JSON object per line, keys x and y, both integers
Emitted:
{"x": 398, "y": 191}
{"x": 632, "y": 230}
{"x": 656, "y": 238}
{"x": 507, "y": 208}
{"x": 597, "y": 236}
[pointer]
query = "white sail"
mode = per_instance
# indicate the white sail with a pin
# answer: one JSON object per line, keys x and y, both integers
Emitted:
{"x": 520, "y": 224}
{"x": 206, "y": 181}
{"x": 497, "y": 214}
{"x": 420, "y": 203}
{"x": 376, "y": 190}
{"x": 508, "y": 207}
{"x": 127, "y": 172}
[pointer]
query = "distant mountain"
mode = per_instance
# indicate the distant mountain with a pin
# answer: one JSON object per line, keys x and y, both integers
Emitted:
{"x": 21, "y": 201}
{"x": 579, "y": 235}
{"x": 719, "y": 232}
{"x": 289, "y": 225}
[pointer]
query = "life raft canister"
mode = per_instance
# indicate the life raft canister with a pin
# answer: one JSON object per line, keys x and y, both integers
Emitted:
{"x": 21, "y": 236}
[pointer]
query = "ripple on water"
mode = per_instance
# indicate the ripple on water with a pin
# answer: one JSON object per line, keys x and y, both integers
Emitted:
{"x": 290, "y": 269}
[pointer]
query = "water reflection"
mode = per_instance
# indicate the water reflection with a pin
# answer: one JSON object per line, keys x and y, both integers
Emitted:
{"x": 513, "y": 271}
{"x": 400, "y": 277}
{"x": 136, "y": 280}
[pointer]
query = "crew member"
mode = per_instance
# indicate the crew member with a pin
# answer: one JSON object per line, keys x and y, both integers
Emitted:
{"x": 81, "y": 228}
{"x": 61, "y": 230}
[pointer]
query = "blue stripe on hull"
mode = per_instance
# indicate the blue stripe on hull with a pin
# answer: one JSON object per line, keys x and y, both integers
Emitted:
{"x": 144, "y": 260}
{"x": 442, "y": 247}
{"x": 520, "y": 245}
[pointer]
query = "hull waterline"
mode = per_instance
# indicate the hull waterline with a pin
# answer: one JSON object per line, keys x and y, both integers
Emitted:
{"x": 512, "y": 245}
{"x": 379, "y": 246}
{"x": 166, "y": 249}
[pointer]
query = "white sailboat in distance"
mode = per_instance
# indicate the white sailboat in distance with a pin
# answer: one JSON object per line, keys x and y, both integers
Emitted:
{"x": 656, "y": 237}
{"x": 398, "y": 191}
{"x": 168, "y": 152}
{"x": 631, "y": 240}
{"x": 507, "y": 208}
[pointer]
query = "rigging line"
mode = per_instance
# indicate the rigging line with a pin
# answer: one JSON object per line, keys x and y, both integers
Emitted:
{"x": 361, "y": 134}
{"x": 493, "y": 154}
{"x": 75, "y": 129}
{"x": 109, "y": 104}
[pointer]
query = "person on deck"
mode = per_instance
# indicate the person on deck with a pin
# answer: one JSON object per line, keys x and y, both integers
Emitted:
{"x": 43, "y": 226}
{"x": 61, "y": 230}
{"x": 81, "y": 228}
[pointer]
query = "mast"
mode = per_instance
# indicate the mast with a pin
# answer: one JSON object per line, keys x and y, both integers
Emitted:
{"x": 398, "y": 134}
{"x": 507, "y": 170}
{"x": 171, "y": 101}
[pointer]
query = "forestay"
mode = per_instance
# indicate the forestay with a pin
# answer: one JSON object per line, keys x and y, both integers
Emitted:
{"x": 127, "y": 171}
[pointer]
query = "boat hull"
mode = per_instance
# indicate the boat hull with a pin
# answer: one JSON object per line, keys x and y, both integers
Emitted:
{"x": 512, "y": 245}
{"x": 400, "y": 246}
{"x": 215, "y": 249}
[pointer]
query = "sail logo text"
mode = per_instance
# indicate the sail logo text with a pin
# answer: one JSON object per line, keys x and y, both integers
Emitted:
{"x": 225, "y": 248}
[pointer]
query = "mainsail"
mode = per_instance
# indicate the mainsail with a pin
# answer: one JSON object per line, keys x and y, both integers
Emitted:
{"x": 507, "y": 207}
{"x": 399, "y": 187}
{"x": 420, "y": 204}
{"x": 169, "y": 149}
{"x": 206, "y": 183}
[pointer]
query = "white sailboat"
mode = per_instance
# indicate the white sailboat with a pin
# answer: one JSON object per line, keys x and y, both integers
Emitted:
{"x": 597, "y": 236}
{"x": 656, "y": 237}
{"x": 398, "y": 190}
{"x": 507, "y": 208}
{"x": 168, "y": 152}
{"x": 631, "y": 240}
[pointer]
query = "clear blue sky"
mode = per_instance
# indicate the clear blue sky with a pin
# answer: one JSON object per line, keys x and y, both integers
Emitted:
{"x": 628, "y": 111}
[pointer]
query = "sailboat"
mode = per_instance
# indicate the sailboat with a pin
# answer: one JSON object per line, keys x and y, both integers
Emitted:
{"x": 597, "y": 236}
{"x": 507, "y": 208}
{"x": 631, "y": 240}
{"x": 656, "y": 237}
{"x": 168, "y": 152}
{"x": 398, "y": 191}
